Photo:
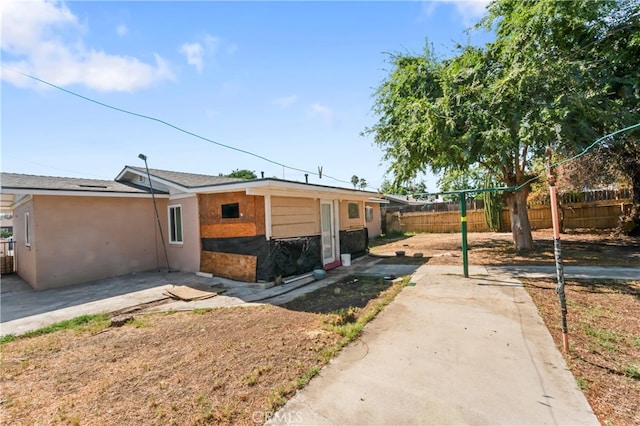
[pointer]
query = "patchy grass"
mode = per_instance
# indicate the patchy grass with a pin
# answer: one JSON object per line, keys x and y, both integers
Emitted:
{"x": 90, "y": 323}
{"x": 604, "y": 325}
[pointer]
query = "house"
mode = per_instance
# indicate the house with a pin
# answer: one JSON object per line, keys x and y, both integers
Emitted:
{"x": 76, "y": 230}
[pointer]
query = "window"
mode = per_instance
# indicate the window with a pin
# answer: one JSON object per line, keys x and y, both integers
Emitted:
{"x": 230, "y": 211}
{"x": 368, "y": 213}
{"x": 27, "y": 230}
{"x": 354, "y": 211}
{"x": 175, "y": 224}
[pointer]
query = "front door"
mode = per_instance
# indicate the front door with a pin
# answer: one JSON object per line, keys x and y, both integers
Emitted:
{"x": 327, "y": 230}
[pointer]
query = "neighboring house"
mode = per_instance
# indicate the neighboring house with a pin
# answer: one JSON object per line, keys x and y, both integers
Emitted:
{"x": 249, "y": 230}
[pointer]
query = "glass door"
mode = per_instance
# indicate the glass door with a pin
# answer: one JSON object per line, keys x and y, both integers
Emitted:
{"x": 327, "y": 232}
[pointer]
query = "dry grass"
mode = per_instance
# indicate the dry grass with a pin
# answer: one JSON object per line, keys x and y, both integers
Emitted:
{"x": 220, "y": 366}
{"x": 604, "y": 341}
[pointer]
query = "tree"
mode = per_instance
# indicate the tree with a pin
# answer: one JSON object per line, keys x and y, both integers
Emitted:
{"x": 409, "y": 188}
{"x": 243, "y": 174}
{"x": 362, "y": 183}
{"x": 354, "y": 181}
{"x": 456, "y": 180}
{"x": 499, "y": 107}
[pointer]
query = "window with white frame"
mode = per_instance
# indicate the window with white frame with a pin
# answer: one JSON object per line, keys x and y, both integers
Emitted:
{"x": 368, "y": 213}
{"x": 175, "y": 224}
{"x": 27, "y": 230}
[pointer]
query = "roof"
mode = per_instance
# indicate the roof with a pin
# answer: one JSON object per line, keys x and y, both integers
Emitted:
{"x": 15, "y": 185}
{"x": 197, "y": 183}
{"x": 187, "y": 180}
{"x": 166, "y": 182}
{"x": 55, "y": 183}
{"x": 408, "y": 200}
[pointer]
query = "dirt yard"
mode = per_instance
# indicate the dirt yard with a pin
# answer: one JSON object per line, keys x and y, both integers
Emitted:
{"x": 235, "y": 365}
{"x": 484, "y": 248}
{"x": 222, "y": 366}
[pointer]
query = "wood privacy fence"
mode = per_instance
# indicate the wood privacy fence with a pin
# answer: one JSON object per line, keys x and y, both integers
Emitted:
{"x": 593, "y": 215}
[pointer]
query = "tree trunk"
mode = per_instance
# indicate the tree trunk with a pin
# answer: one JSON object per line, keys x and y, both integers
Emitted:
{"x": 520, "y": 227}
{"x": 630, "y": 224}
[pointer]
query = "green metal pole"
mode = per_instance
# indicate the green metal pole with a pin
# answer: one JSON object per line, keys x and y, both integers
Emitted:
{"x": 463, "y": 223}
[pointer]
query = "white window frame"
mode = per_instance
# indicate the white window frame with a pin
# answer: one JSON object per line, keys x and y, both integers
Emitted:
{"x": 27, "y": 230}
{"x": 171, "y": 216}
{"x": 368, "y": 213}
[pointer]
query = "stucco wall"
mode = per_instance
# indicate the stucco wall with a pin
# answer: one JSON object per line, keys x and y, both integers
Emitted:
{"x": 294, "y": 217}
{"x": 375, "y": 226}
{"x": 186, "y": 256}
{"x": 78, "y": 239}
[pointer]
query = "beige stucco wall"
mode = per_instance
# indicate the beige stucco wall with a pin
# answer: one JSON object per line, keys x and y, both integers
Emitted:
{"x": 186, "y": 256}
{"x": 76, "y": 239}
{"x": 294, "y": 217}
{"x": 374, "y": 228}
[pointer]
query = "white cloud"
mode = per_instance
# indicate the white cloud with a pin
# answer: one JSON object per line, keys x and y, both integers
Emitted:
{"x": 285, "y": 101}
{"x": 469, "y": 11}
{"x": 44, "y": 39}
{"x": 323, "y": 112}
{"x": 194, "y": 53}
{"x": 122, "y": 30}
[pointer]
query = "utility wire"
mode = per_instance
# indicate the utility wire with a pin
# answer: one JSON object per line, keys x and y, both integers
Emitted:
{"x": 173, "y": 126}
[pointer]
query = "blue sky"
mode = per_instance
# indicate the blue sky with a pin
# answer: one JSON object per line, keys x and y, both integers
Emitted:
{"x": 289, "y": 81}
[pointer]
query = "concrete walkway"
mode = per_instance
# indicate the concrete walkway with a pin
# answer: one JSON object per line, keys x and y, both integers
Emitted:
{"x": 572, "y": 271}
{"x": 448, "y": 351}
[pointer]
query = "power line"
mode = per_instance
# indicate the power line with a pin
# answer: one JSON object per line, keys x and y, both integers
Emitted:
{"x": 147, "y": 117}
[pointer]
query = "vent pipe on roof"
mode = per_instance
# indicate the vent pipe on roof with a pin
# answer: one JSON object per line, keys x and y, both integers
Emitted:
{"x": 262, "y": 175}
{"x": 306, "y": 177}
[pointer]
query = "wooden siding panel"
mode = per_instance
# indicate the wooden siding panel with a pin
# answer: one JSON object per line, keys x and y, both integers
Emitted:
{"x": 291, "y": 231}
{"x": 229, "y": 230}
{"x": 237, "y": 267}
{"x": 294, "y": 217}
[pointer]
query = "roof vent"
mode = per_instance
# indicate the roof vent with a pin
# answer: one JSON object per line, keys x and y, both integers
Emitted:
{"x": 92, "y": 186}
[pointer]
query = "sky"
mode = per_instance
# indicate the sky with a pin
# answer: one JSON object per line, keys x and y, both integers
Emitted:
{"x": 290, "y": 82}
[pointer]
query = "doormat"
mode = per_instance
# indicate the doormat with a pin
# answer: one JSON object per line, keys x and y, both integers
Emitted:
{"x": 187, "y": 293}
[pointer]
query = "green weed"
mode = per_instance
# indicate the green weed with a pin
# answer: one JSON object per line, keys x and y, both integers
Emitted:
{"x": 91, "y": 323}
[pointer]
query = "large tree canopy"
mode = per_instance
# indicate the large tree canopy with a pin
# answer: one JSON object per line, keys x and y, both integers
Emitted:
{"x": 540, "y": 83}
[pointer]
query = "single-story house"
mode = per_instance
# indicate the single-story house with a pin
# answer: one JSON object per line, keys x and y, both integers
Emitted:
{"x": 71, "y": 230}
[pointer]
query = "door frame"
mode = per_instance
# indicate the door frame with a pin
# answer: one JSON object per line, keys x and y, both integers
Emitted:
{"x": 334, "y": 225}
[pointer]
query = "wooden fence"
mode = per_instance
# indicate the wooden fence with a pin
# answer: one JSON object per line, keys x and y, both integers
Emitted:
{"x": 592, "y": 215}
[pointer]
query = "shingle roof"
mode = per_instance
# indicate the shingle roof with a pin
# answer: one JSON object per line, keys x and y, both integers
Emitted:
{"x": 187, "y": 180}
{"x": 20, "y": 181}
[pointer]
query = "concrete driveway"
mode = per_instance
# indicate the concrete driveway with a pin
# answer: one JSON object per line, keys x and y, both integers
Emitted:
{"x": 449, "y": 350}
